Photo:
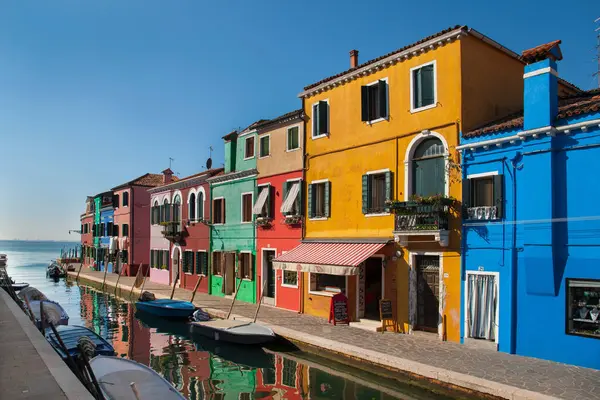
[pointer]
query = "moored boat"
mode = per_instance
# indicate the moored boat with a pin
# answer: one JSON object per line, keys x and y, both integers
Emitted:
{"x": 54, "y": 312}
{"x": 120, "y": 378}
{"x": 55, "y": 271}
{"x": 19, "y": 286}
{"x": 166, "y": 308}
{"x": 234, "y": 331}
{"x": 30, "y": 293}
{"x": 71, "y": 336}
{"x": 3, "y": 260}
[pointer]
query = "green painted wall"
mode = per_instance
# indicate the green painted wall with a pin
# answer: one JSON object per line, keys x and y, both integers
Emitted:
{"x": 97, "y": 202}
{"x": 240, "y": 149}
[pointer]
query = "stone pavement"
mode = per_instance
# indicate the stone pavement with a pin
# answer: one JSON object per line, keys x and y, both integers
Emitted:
{"x": 29, "y": 367}
{"x": 495, "y": 373}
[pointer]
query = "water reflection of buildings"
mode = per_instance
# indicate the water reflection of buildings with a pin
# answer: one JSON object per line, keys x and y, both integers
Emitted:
{"x": 288, "y": 379}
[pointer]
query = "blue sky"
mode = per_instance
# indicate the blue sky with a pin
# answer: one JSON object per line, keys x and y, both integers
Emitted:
{"x": 93, "y": 94}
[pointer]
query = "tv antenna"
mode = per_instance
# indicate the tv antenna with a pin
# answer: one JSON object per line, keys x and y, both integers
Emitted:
{"x": 171, "y": 161}
{"x": 209, "y": 161}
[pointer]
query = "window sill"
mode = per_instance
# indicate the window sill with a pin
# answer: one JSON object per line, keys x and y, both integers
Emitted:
{"x": 318, "y": 219}
{"x": 248, "y": 158}
{"x": 218, "y": 223}
{"x": 285, "y": 285}
{"x": 262, "y": 157}
{"x": 243, "y": 222}
{"x": 320, "y": 136}
{"x": 377, "y": 214}
{"x": 292, "y": 150}
{"x": 416, "y": 110}
{"x": 376, "y": 121}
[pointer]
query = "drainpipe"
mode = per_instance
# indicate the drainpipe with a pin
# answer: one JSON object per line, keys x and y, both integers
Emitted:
{"x": 514, "y": 258}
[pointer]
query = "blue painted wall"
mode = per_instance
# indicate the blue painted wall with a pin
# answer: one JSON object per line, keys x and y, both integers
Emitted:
{"x": 106, "y": 216}
{"x": 549, "y": 232}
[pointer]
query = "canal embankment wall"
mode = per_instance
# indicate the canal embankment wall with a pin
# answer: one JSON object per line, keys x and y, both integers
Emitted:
{"x": 492, "y": 373}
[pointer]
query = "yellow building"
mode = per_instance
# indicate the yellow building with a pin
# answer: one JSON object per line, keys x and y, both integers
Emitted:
{"x": 385, "y": 131}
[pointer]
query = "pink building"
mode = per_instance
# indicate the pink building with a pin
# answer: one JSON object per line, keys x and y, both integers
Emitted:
{"x": 132, "y": 220}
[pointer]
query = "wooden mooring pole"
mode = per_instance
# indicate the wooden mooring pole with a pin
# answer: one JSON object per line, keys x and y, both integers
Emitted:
{"x": 174, "y": 283}
{"x": 262, "y": 294}
{"x": 234, "y": 297}
{"x": 196, "y": 288}
{"x": 105, "y": 271}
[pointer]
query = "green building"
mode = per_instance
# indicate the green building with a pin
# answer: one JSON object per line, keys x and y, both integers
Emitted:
{"x": 233, "y": 233}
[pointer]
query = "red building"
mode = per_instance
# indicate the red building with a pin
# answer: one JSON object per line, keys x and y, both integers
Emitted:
{"x": 87, "y": 238}
{"x": 179, "y": 211}
{"x": 288, "y": 379}
{"x": 279, "y": 206}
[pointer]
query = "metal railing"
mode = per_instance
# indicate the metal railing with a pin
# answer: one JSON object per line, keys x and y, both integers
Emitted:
{"x": 421, "y": 217}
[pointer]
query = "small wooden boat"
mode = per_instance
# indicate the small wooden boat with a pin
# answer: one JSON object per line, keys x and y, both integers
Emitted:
{"x": 234, "y": 331}
{"x": 70, "y": 335}
{"x": 30, "y": 293}
{"x": 19, "y": 286}
{"x": 55, "y": 271}
{"x": 166, "y": 308}
{"x": 54, "y": 312}
{"x": 3, "y": 260}
{"x": 120, "y": 378}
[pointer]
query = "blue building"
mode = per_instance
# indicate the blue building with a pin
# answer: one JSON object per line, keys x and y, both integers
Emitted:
{"x": 107, "y": 230}
{"x": 531, "y": 231}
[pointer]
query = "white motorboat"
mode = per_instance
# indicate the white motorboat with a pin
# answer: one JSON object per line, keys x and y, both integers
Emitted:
{"x": 30, "y": 293}
{"x": 54, "y": 312}
{"x": 233, "y": 331}
{"x": 120, "y": 378}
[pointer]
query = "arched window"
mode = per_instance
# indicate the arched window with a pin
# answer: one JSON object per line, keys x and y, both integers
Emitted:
{"x": 177, "y": 208}
{"x": 428, "y": 168}
{"x": 192, "y": 207}
{"x": 200, "y": 206}
{"x": 165, "y": 214}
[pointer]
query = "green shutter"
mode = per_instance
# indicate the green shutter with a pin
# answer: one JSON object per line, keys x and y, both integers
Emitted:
{"x": 152, "y": 258}
{"x": 315, "y": 120}
{"x": 364, "y": 100}
{"x": 205, "y": 263}
{"x": 323, "y": 117}
{"x": 427, "y": 89}
{"x": 365, "y": 194}
{"x": 499, "y": 195}
{"x": 300, "y": 197}
{"x": 428, "y": 176}
{"x": 382, "y": 90}
{"x": 168, "y": 213}
{"x": 388, "y": 188}
{"x": 328, "y": 199}
{"x": 309, "y": 205}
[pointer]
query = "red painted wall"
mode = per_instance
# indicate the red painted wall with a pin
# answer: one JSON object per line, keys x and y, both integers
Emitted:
{"x": 87, "y": 239}
{"x": 139, "y": 228}
{"x": 281, "y": 237}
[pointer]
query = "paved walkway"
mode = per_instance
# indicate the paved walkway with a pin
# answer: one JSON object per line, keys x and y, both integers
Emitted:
{"x": 499, "y": 374}
{"x": 29, "y": 367}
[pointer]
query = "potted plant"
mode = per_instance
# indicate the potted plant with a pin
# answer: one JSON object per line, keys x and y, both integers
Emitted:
{"x": 263, "y": 221}
{"x": 293, "y": 219}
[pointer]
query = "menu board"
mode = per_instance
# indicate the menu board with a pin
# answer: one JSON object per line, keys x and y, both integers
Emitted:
{"x": 338, "y": 310}
{"x": 385, "y": 309}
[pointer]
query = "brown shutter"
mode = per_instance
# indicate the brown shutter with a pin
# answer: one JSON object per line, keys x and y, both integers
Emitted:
{"x": 251, "y": 267}
{"x": 239, "y": 266}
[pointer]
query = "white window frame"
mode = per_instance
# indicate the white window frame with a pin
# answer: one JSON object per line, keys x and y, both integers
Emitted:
{"x": 287, "y": 285}
{"x": 128, "y": 196}
{"x": 196, "y": 259}
{"x": 287, "y": 137}
{"x": 239, "y": 263}
{"x": 435, "y": 94}
{"x": 318, "y": 218}
{"x": 324, "y": 293}
{"x": 212, "y": 206}
{"x": 260, "y": 146}
{"x": 377, "y": 172}
{"x": 242, "y": 208}
{"x": 387, "y": 102}
{"x": 199, "y": 190}
{"x": 496, "y": 276}
{"x": 190, "y": 205}
{"x": 193, "y": 258}
{"x": 253, "y": 148}
{"x": 313, "y": 121}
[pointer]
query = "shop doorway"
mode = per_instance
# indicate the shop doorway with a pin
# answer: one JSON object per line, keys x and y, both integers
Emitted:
{"x": 481, "y": 305}
{"x": 427, "y": 269}
{"x": 373, "y": 287}
{"x": 268, "y": 274}
{"x": 229, "y": 273}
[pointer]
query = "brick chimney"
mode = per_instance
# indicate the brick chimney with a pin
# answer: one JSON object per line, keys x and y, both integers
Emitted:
{"x": 167, "y": 176}
{"x": 353, "y": 58}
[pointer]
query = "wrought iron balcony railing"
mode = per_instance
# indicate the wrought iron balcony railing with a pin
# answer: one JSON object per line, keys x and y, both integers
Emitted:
{"x": 173, "y": 231}
{"x": 421, "y": 217}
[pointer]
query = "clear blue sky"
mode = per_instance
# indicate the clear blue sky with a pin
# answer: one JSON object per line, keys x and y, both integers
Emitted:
{"x": 95, "y": 93}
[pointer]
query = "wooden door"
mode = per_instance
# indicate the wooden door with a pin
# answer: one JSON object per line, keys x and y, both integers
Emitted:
{"x": 428, "y": 293}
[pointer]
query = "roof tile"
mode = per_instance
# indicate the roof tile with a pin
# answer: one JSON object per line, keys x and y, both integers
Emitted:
{"x": 541, "y": 52}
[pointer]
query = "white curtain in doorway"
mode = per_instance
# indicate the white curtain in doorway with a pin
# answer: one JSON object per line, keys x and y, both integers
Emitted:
{"x": 482, "y": 306}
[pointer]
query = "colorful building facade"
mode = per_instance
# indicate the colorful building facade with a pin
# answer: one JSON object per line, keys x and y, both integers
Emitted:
{"x": 87, "y": 236}
{"x": 381, "y": 174}
{"x": 233, "y": 234}
{"x": 531, "y": 282}
{"x": 278, "y": 206}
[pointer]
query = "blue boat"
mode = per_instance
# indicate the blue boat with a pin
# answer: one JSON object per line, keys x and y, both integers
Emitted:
{"x": 166, "y": 308}
{"x": 70, "y": 335}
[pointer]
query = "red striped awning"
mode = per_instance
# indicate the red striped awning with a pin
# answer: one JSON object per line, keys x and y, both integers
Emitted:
{"x": 327, "y": 258}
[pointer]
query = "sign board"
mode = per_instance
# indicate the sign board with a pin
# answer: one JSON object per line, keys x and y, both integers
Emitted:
{"x": 338, "y": 309}
{"x": 386, "y": 314}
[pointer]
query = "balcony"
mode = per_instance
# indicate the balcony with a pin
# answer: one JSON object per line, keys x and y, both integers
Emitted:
{"x": 173, "y": 231}
{"x": 422, "y": 218}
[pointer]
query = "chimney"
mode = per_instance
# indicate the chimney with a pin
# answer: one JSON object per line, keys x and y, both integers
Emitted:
{"x": 167, "y": 176}
{"x": 540, "y": 98}
{"x": 353, "y": 58}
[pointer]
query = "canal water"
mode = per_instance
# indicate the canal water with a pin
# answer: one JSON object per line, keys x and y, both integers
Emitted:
{"x": 201, "y": 368}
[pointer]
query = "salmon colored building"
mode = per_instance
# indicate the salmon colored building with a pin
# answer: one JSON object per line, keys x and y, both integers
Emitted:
{"x": 383, "y": 177}
{"x": 278, "y": 206}
{"x": 87, "y": 238}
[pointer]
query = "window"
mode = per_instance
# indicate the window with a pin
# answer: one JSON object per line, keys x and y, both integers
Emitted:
{"x": 114, "y": 200}
{"x": 177, "y": 208}
{"x": 320, "y": 118}
{"x": 192, "y": 207}
{"x": 219, "y": 211}
{"x": 429, "y": 173}
{"x": 125, "y": 199}
{"x": 202, "y": 263}
{"x": 583, "y": 308}
{"x": 249, "y": 149}
{"x": 246, "y": 207}
{"x": 376, "y": 189}
{"x": 217, "y": 264}
{"x": 288, "y": 374}
{"x": 155, "y": 214}
{"x": 124, "y": 256}
{"x": 265, "y": 146}
{"x": 292, "y": 195}
{"x": 263, "y": 205}
{"x": 94, "y": 230}
{"x": 483, "y": 196}
{"x": 165, "y": 211}
{"x": 327, "y": 283}
{"x": 200, "y": 207}
{"x": 125, "y": 230}
{"x": 293, "y": 138}
{"x": 423, "y": 87}
{"x": 188, "y": 261}
{"x": 115, "y": 230}
{"x": 290, "y": 278}
{"x": 245, "y": 266}
{"x": 269, "y": 377}
{"x": 374, "y": 99}
{"x": 319, "y": 197}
